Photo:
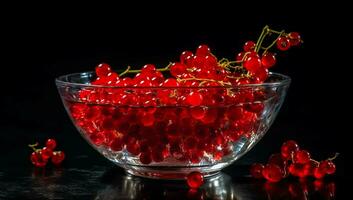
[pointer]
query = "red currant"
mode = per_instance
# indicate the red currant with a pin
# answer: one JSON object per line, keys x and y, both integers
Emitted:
{"x": 249, "y": 46}
{"x": 328, "y": 166}
{"x": 102, "y": 70}
{"x": 57, "y": 157}
{"x": 37, "y": 159}
{"x": 50, "y": 144}
{"x": 148, "y": 69}
{"x": 288, "y": 148}
{"x": 185, "y": 55}
{"x": 145, "y": 158}
{"x": 203, "y": 50}
{"x": 283, "y": 43}
{"x": 47, "y": 153}
{"x": 294, "y": 38}
{"x": 194, "y": 99}
{"x": 252, "y": 63}
{"x": 319, "y": 173}
{"x": 177, "y": 69}
{"x": 195, "y": 179}
{"x": 272, "y": 173}
{"x": 301, "y": 156}
{"x": 268, "y": 60}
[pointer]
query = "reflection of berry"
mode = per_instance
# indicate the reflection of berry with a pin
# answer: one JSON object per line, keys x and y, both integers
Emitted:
{"x": 256, "y": 170}
{"x": 195, "y": 179}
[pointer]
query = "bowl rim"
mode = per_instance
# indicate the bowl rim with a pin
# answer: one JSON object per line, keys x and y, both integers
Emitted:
{"x": 60, "y": 81}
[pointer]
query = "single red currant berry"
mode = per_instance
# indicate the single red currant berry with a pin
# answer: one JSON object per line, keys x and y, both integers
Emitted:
{"x": 170, "y": 82}
{"x": 249, "y": 46}
{"x": 319, "y": 173}
{"x": 195, "y": 179}
{"x": 102, "y": 70}
{"x": 268, "y": 59}
{"x": 177, "y": 69}
{"x": 277, "y": 159}
{"x": 301, "y": 156}
{"x": 283, "y": 43}
{"x": 328, "y": 166}
{"x": 261, "y": 74}
{"x": 294, "y": 38}
{"x": 37, "y": 159}
{"x": 47, "y": 153}
{"x": 116, "y": 144}
{"x": 148, "y": 119}
{"x": 145, "y": 158}
{"x": 198, "y": 112}
{"x": 194, "y": 99}
{"x": 252, "y": 63}
{"x": 256, "y": 170}
{"x": 203, "y": 50}
{"x": 288, "y": 148}
{"x": 184, "y": 55}
{"x": 272, "y": 173}
{"x": 148, "y": 69}
{"x": 50, "y": 144}
{"x": 57, "y": 157}
{"x": 239, "y": 56}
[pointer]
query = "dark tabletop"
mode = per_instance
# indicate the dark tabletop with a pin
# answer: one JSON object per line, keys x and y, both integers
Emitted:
{"x": 85, "y": 174}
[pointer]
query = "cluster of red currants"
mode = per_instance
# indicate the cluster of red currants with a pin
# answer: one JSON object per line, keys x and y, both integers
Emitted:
{"x": 292, "y": 161}
{"x": 190, "y": 115}
{"x": 40, "y": 157}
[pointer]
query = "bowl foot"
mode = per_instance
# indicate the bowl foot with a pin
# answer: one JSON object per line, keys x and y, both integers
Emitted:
{"x": 171, "y": 173}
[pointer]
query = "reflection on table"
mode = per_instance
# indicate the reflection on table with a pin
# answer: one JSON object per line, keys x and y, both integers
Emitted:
{"x": 218, "y": 187}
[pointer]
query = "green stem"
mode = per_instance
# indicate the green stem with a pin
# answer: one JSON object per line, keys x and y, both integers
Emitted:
{"x": 264, "y": 32}
{"x": 32, "y": 146}
{"x": 274, "y": 42}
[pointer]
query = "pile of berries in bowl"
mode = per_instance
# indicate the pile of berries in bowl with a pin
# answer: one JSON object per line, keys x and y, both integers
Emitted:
{"x": 199, "y": 113}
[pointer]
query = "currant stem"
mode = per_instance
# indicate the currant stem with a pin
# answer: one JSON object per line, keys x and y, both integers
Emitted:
{"x": 264, "y": 32}
{"x": 138, "y": 70}
{"x": 334, "y": 157}
{"x": 274, "y": 42}
{"x": 32, "y": 146}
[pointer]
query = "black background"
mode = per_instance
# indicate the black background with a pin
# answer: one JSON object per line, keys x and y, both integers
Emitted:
{"x": 42, "y": 44}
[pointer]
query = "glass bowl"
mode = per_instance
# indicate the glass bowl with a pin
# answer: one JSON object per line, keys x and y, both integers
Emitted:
{"x": 166, "y": 132}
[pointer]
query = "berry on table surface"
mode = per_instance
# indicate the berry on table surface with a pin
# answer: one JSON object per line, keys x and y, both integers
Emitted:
{"x": 194, "y": 179}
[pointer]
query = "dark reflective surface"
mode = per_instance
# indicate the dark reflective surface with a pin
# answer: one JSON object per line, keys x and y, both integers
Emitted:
{"x": 110, "y": 182}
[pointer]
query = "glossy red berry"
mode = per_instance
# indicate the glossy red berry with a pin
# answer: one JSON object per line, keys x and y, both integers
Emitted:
{"x": 283, "y": 43}
{"x": 301, "y": 156}
{"x": 47, "y": 153}
{"x": 57, "y": 157}
{"x": 278, "y": 160}
{"x": 102, "y": 70}
{"x": 37, "y": 159}
{"x": 185, "y": 55}
{"x": 178, "y": 69}
{"x": 195, "y": 179}
{"x": 239, "y": 56}
{"x": 328, "y": 166}
{"x": 272, "y": 173}
{"x": 319, "y": 173}
{"x": 249, "y": 46}
{"x": 148, "y": 69}
{"x": 294, "y": 38}
{"x": 268, "y": 60}
{"x": 50, "y": 144}
{"x": 256, "y": 170}
{"x": 288, "y": 148}
{"x": 252, "y": 63}
{"x": 194, "y": 99}
{"x": 203, "y": 50}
